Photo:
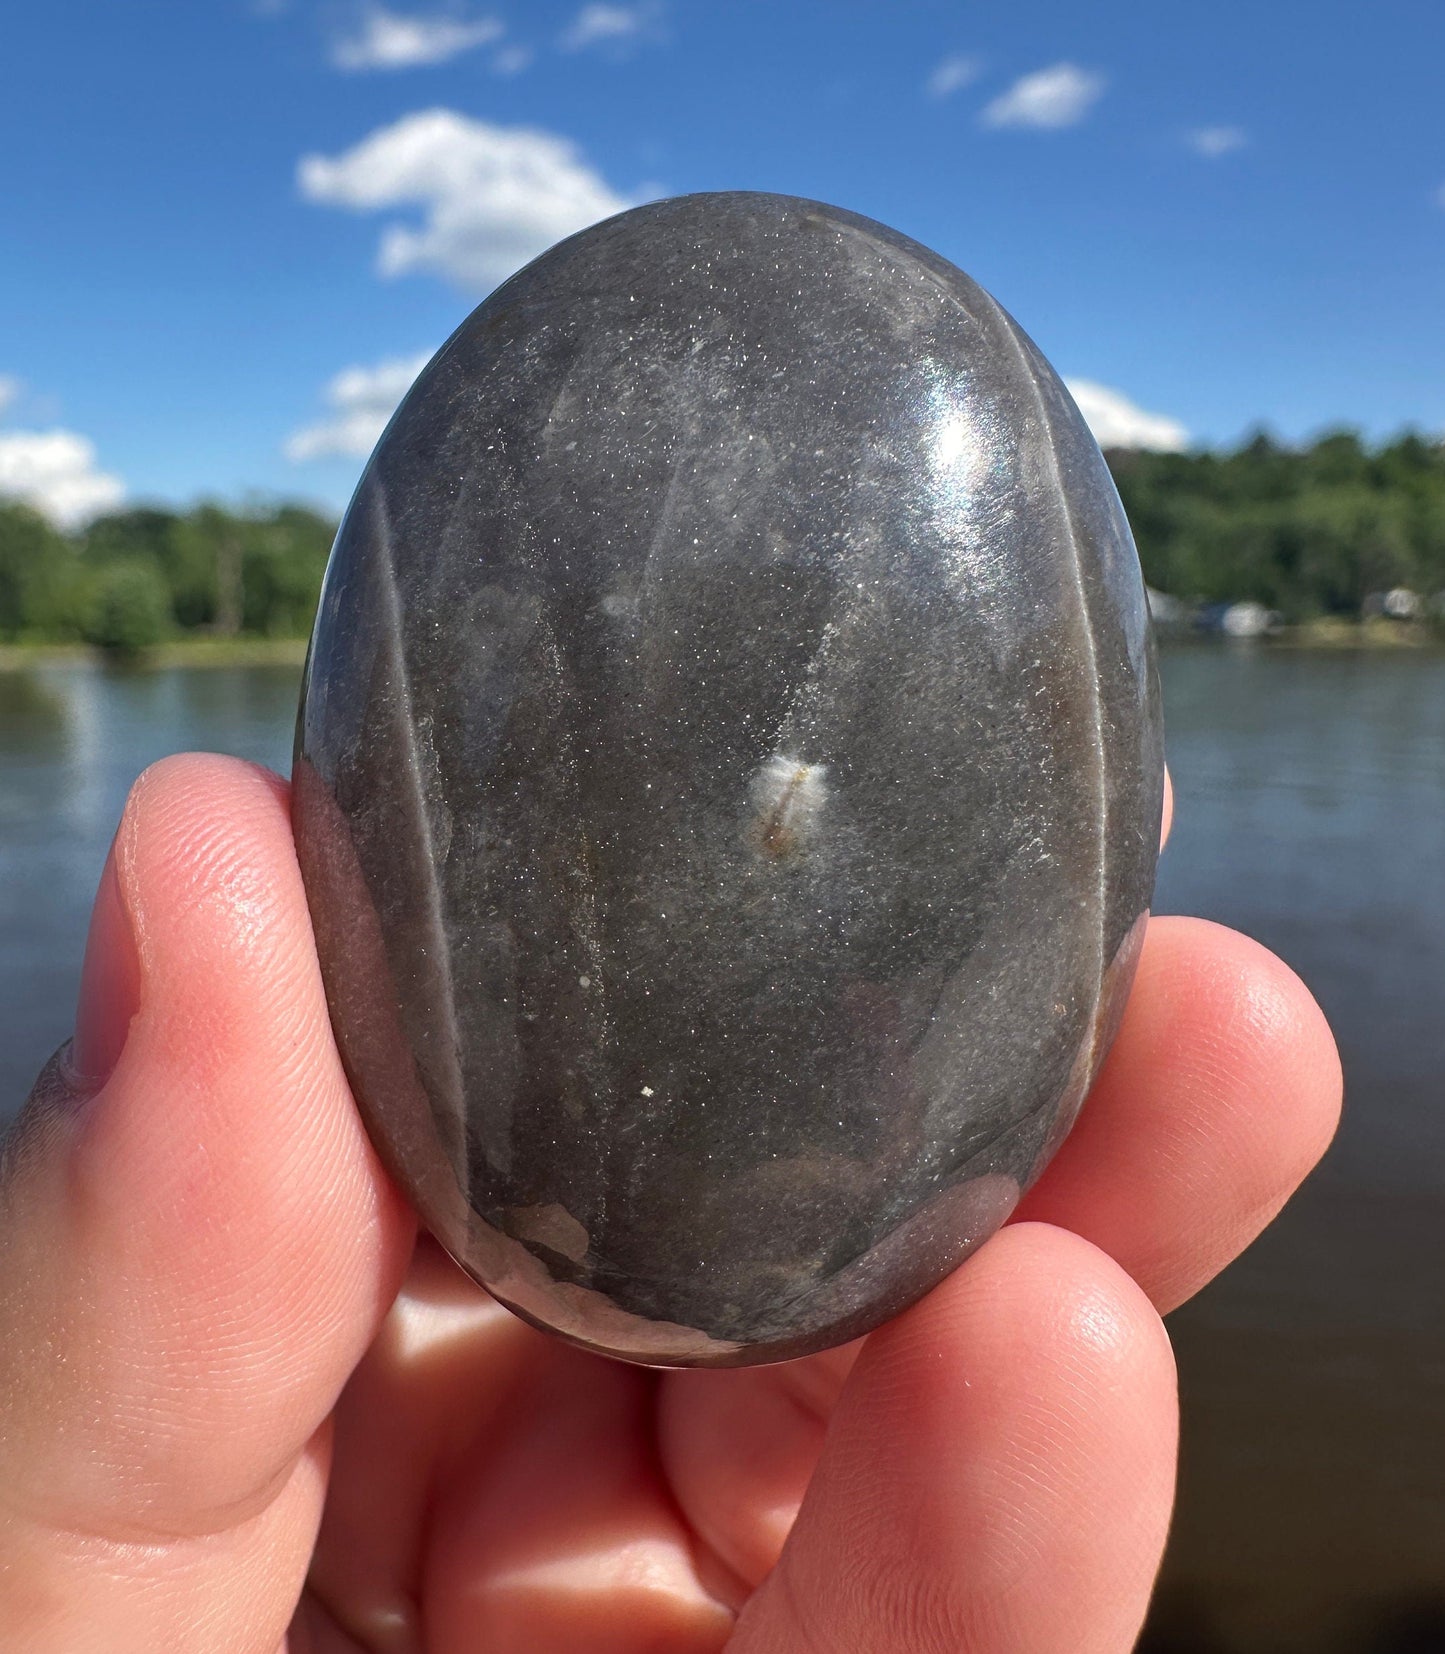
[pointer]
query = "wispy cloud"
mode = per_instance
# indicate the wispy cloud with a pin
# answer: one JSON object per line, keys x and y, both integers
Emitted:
{"x": 951, "y": 75}
{"x": 1058, "y": 96}
{"x": 491, "y": 197}
{"x": 55, "y": 472}
{"x": 1213, "y": 141}
{"x": 1440, "y": 196}
{"x": 361, "y": 400}
{"x": 10, "y": 388}
{"x": 619, "y": 27}
{"x": 1119, "y": 423}
{"x": 392, "y": 40}
{"x": 512, "y": 59}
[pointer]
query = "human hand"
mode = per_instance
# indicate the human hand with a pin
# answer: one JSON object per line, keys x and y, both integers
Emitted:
{"x": 204, "y": 1361}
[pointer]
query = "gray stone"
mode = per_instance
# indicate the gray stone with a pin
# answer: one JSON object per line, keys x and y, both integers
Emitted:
{"x": 728, "y": 779}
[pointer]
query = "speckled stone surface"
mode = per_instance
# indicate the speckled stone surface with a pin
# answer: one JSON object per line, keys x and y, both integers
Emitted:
{"x": 728, "y": 779}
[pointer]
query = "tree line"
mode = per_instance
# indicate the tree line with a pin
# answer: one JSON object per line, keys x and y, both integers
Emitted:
{"x": 1308, "y": 531}
{"x": 135, "y": 578}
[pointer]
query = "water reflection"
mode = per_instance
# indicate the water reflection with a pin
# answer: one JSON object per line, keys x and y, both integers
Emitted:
{"x": 1312, "y": 815}
{"x": 32, "y": 714}
{"x": 1184, "y": 1622}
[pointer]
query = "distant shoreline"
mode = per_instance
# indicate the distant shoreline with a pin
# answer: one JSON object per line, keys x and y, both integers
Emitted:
{"x": 1333, "y": 632}
{"x": 183, "y": 651}
{"x": 1328, "y": 633}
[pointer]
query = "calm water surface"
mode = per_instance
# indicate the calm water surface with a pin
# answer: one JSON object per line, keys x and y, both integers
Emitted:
{"x": 1311, "y": 814}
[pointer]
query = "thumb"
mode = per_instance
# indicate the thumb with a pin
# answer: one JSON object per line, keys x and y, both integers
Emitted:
{"x": 196, "y": 1245}
{"x": 997, "y": 1475}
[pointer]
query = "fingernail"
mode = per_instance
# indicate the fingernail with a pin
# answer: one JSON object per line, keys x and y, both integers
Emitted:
{"x": 109, "y": 986}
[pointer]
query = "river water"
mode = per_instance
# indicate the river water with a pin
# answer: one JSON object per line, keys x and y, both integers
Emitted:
{"x": 1311, "y": 814}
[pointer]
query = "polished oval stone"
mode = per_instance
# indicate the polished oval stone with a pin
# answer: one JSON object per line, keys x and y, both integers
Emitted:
{"x": 728, "y": 779}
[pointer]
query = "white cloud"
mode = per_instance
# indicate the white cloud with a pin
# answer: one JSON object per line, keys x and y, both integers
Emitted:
{"x": 1057, "y": 96}
{"x": 1213, "y": 141}
{"x": 1119, "y": 423}
{"x": 511, "y": 60}
{"x": 389, "y": 40}
{"x": 605, "y": 25}
{"x": 492, "y": 197}
{"x": 952, "y": 74}
{"x": 9, "y": 391}
{"x": 54, "y": 471}
{"x": 361, "y": 399}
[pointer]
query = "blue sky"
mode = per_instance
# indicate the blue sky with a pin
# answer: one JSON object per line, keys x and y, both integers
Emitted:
{"x": 230, "y": 229}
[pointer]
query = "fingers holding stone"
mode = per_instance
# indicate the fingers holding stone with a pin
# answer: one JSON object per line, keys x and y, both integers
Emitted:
{"x": 739, "y": 1447}
{"x": 432, "y": 1393}
{"x": 997, "y": 1474}
{"x": 561, "y": 1535}
{"x": 196, "y": 1242}
{"x": 1221, "y": 1092}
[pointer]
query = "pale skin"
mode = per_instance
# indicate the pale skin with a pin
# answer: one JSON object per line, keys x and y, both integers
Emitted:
{"x": 243, "y": 1410}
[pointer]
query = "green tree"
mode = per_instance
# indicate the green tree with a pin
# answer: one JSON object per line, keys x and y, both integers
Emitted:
{"x": 129, "y": 607}
{"x": 1307, "y": 531}
{"x": 137, "y": 535}
{"x": 224, "y": 571}
{"x": 285, "y": 558}
{"x": 201, "y": 566}
{"x": 39, "y": 576}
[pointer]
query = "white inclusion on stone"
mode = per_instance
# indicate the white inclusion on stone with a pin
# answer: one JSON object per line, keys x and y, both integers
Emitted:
{"x": 789, "y": 797}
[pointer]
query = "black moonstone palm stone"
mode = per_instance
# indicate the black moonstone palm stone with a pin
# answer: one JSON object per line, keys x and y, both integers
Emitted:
{"x": 728, "y": 779}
